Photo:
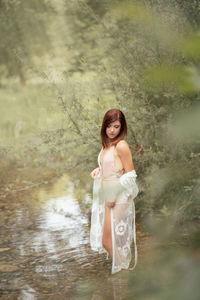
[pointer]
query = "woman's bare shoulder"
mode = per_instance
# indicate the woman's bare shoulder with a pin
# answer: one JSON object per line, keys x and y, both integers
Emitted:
{"x": 122, "y": 147}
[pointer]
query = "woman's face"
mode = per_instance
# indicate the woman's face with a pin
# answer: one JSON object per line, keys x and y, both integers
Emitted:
{"x": 113, "y": 129}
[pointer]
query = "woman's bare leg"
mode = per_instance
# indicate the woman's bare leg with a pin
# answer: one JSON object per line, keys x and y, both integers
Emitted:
{"x": 107, "y": 234}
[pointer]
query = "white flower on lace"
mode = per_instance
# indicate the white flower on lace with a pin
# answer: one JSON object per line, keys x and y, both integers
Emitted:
{"x": 120, "y": 228}
{"x": 125, "y": 250}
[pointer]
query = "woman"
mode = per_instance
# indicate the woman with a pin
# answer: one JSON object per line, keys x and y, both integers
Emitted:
{"x": 113, "y": 210}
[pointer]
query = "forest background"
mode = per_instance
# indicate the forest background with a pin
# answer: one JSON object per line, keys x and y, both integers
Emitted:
{"x": 63, "y": 64}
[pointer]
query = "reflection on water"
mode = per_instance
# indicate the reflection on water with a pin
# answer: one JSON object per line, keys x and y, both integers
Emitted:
{"x": 27, "y": 293}
{"x": 44, "y": 247}
{"x": 112, "y": 288}
{"x": 63, "y": 217}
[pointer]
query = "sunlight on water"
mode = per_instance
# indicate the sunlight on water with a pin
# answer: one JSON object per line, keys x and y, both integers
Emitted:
{"x": 27, "y": 293}
{"x": 62, "y": 216}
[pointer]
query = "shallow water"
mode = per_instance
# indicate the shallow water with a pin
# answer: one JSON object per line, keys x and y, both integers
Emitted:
{"x": 44, "y": 248}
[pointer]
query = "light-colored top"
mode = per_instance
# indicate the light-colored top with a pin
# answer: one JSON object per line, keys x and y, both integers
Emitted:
{"x": 110, "y": 164}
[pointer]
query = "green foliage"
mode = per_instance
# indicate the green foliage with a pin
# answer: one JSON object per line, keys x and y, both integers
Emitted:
{"x": 23, "y": 34}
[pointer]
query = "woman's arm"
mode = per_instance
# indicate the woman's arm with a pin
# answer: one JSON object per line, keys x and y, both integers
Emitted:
{"x": 128, "y": 179}
{"x": 125, "y": 155}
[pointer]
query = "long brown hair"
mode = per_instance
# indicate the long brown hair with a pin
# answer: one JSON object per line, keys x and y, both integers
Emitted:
{"x": 109, "y": 117}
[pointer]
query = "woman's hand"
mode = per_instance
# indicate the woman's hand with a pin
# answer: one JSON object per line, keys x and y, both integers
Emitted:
{"x": 95, "y": 173}
{"x": 110, "y": 204}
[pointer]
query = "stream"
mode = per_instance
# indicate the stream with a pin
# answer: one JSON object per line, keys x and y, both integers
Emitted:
{"x": 45, "y": 251}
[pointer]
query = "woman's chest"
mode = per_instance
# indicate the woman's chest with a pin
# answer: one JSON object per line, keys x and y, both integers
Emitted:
{"x": 109, "y": 159}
